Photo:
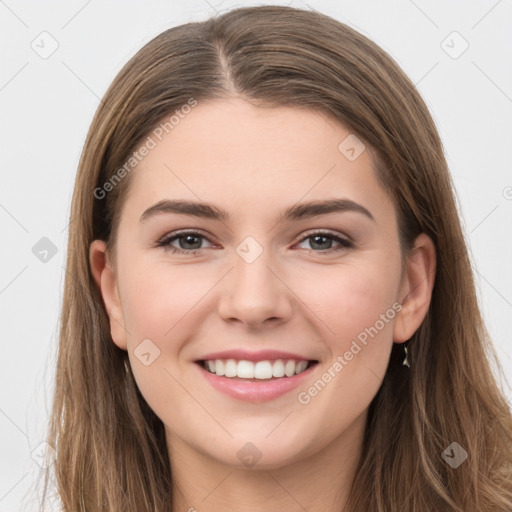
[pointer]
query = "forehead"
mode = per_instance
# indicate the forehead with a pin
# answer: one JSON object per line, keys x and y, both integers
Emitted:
{"x": 235, "y": 153}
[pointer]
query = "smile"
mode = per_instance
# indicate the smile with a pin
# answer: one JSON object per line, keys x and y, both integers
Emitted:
{"x": 255, "y": 381}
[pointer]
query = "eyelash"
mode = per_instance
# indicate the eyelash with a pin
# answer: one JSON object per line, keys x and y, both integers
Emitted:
{"x": 166, "y": 241}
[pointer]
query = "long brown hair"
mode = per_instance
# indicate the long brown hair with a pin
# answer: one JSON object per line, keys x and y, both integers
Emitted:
{"x": 110, "y": 444}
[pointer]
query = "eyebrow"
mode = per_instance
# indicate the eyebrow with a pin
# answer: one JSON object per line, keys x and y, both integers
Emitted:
{"x": 293, "y": 213}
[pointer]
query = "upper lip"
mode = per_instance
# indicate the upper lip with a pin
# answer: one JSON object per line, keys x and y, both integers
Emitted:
{"x": 261, "y": 355}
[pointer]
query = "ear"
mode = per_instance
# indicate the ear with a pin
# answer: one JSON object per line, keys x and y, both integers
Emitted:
{"x": 416, "y": 288}
{"x": 105, "y": 279}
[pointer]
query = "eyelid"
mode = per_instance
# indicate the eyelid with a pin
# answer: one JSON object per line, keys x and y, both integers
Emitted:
{"x": 184, "y": 231}
{"x": 322, "y": 231}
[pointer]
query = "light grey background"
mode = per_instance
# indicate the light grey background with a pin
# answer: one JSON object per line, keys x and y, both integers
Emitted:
{"x": 47, "y": 104}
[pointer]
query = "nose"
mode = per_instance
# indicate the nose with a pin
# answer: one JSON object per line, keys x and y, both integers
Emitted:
{"x": 255, "y": 294}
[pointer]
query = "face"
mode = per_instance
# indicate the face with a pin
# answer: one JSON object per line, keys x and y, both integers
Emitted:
{"x": 261, "y": 276}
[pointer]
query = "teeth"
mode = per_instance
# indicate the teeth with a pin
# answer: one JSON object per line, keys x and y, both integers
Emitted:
{"x": 219, "y": 367}
{"x": 230, "y": 368}
{"x": 259, "y": 370}
{"x": 244, "y": 369}
{"x": 289, "y": 368}
{"x": 263, "y": 370}
{"x": 278, "y": 368}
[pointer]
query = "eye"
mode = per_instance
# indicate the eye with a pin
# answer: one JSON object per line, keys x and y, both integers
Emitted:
{"x": 189, "y": 242}
{"x": 321, "y": 241}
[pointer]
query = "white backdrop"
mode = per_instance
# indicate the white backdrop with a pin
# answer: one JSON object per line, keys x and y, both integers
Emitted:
{"x": 57, "y": 60}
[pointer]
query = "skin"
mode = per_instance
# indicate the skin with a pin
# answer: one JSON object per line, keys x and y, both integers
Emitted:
{"x": 255, "y": 162}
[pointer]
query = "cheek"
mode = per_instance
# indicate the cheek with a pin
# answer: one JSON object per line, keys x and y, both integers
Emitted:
{"x": 156, "y": 298}
{"x": 158, "y": 308}
{"x": 358, "y": 315}
{"x": 351, "y": 299}
{"x": 156, "y": 303}
{"x": 166, "y": 305}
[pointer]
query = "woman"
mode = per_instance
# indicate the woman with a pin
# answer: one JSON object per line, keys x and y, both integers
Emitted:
{"x": 269, "y": 302}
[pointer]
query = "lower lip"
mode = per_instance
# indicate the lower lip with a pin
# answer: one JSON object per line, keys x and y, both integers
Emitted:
{"x": 255, "y": 390}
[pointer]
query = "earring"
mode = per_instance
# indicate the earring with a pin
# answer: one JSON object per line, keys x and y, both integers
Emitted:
{"x": 406, "y": 361}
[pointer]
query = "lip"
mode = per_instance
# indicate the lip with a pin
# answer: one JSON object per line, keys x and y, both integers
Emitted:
{"x": 261, "y": 355}
{"x": 252, "y": 390}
